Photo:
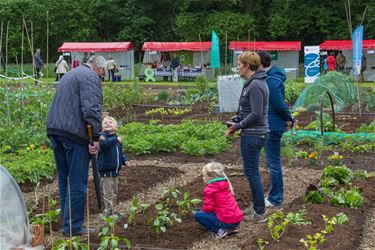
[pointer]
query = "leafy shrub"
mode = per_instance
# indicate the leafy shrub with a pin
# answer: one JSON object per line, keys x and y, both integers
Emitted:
{"x": 314, "y": 197}
{"x": 162, "y": 96}
{"x": 191, "y": 137}
{"x": 367, "y": 128}
{"x": 348, "y": 198}
{"x": 341, "y": 173}
{"x": 292, "y": 91}
{"x": 29, "y": 164}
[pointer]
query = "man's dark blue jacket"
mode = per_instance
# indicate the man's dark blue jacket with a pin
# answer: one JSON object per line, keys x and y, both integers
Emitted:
{"x": 111, "y": 157}
{"x": 278, "y": 112}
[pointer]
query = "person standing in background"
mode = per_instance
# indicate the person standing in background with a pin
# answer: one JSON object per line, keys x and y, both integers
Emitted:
{"x": 38, "y": 63}
{"x": 85, "y": 58}
{"x": 61, "y": 68}
{"x": 331, "y": 62}
{"x": 75, "y": 63}
{"x": 111, "y": 65}
{"x": 340, "y": 61}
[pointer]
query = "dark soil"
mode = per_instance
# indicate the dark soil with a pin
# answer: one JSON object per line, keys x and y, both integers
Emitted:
{"x": 182, "y": 235}
{"x": 134, "y": 180}
{"x": 346, "y": 236}
{"x": 345, "y": 121}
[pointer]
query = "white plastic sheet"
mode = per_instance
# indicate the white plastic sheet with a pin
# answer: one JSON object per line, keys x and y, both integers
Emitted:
{"x": 14, "y": 231}
{"x": 229, "y": 88}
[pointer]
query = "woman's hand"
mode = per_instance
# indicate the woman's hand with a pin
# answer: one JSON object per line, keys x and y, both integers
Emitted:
{"x": 231, "y": 129}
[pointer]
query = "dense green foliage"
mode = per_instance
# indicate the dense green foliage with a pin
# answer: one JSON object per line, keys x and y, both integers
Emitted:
{"x": 190, "y": 137}
{"x": 182, "y": 20}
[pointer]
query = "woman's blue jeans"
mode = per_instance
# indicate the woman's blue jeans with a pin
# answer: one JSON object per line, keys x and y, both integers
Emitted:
{"x": 72, "y": 161}
{"x": 273, "y": 162}
{"x": 211, "y": 222}
{"x": 251, "y": 145}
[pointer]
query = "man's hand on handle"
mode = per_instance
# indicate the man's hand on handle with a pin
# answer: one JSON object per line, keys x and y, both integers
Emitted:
{"x": 93, "y": 149}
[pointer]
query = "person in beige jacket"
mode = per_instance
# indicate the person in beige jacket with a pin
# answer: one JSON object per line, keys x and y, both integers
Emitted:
{"x": 61, "y": 68}
{"x": 111, "y": 65}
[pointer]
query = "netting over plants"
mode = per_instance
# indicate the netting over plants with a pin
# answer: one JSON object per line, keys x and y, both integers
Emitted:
{"x": 340, "y": 86}
{"x": 13, "y": 215}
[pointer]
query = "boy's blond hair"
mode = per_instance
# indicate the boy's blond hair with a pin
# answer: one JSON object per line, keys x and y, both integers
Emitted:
{"x": 216, "y": 170}
{"x": 110, "y": 118}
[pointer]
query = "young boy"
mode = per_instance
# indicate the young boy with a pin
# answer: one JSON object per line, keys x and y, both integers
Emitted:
{"x": 110, "y": 161}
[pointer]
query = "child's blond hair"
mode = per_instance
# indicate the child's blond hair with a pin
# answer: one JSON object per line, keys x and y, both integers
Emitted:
{"x": 110, "y": 118}
{"x": 216, "y": 170}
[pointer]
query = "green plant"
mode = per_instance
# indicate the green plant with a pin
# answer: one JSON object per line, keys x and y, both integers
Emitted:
{"x": 170, "y": 193}
{"x": 367, "y": 128}
{"x": 302, "y": 154}
{"x": 298, "y": 218}
{"x": 341, "y": 173}
{"x": 287, "y": 151}
{"x": 313, "y": 158}
{"x": 112, "y": 242}
{"x": 162, "y": 96}
{"x": 163, "y": 219}
{"x": 108, "y": 238}
{"x": 327, "y": 123}
{"x": 66, "y": 244}
{"x": 277, "y": 224}
{"x": 361, "y": 174}
{"x": 348, "y": 198}
{"x": 328, "y": 182}
{"x": 52, "y": 216}
{"x": 191, "y": 137}
{"x": 314, "y": 197}
{"x": 312, "y": 241}
{"x": 186, "y": 204}
{"x": 262, "y": 243}
{"x": 135, "y": 206}
{"x": 26, "y": 164}
{"x": 292, "y": 91}
{"x": 336, "y": 159}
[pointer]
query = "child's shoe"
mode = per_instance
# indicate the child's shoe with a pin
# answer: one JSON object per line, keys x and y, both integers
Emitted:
{"x": 220, "y": 234}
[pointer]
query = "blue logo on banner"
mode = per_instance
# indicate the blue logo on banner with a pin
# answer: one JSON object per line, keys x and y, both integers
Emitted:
{"x": 312, "y": 64}
{"x": 357, "y": 38}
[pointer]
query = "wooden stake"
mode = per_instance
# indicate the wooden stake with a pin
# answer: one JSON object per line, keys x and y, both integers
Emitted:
{"x": 70, "y": 216}
{"x": 226, "y": 51}
{"x": 88, "y": 217}
{"x": 6, "y": 50}
{"x": 22, "y": 35}
{"x": 47, "y": 46}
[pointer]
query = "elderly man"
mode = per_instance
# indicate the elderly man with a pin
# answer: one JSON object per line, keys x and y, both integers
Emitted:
{"x": 78, "y": 101}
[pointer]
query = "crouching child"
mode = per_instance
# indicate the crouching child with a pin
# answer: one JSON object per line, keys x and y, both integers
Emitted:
{"x": 220, "y": 213}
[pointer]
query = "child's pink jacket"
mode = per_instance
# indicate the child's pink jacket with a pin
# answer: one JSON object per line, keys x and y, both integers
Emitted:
{"x": 218, "y": 198}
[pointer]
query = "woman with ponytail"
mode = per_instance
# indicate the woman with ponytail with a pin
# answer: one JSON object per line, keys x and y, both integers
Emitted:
{"x": 220, "y": 213}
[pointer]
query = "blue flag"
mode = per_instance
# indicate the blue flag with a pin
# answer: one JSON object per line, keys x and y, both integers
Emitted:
{"x": 357, "y": 38}
{"x": 215, "y": 52}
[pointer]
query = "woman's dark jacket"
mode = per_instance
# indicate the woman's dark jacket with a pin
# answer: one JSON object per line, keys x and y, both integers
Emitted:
{"x": 253, "y": 108}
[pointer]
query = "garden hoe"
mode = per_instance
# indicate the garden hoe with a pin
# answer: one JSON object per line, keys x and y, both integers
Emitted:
{"x": 95, "y": 171}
